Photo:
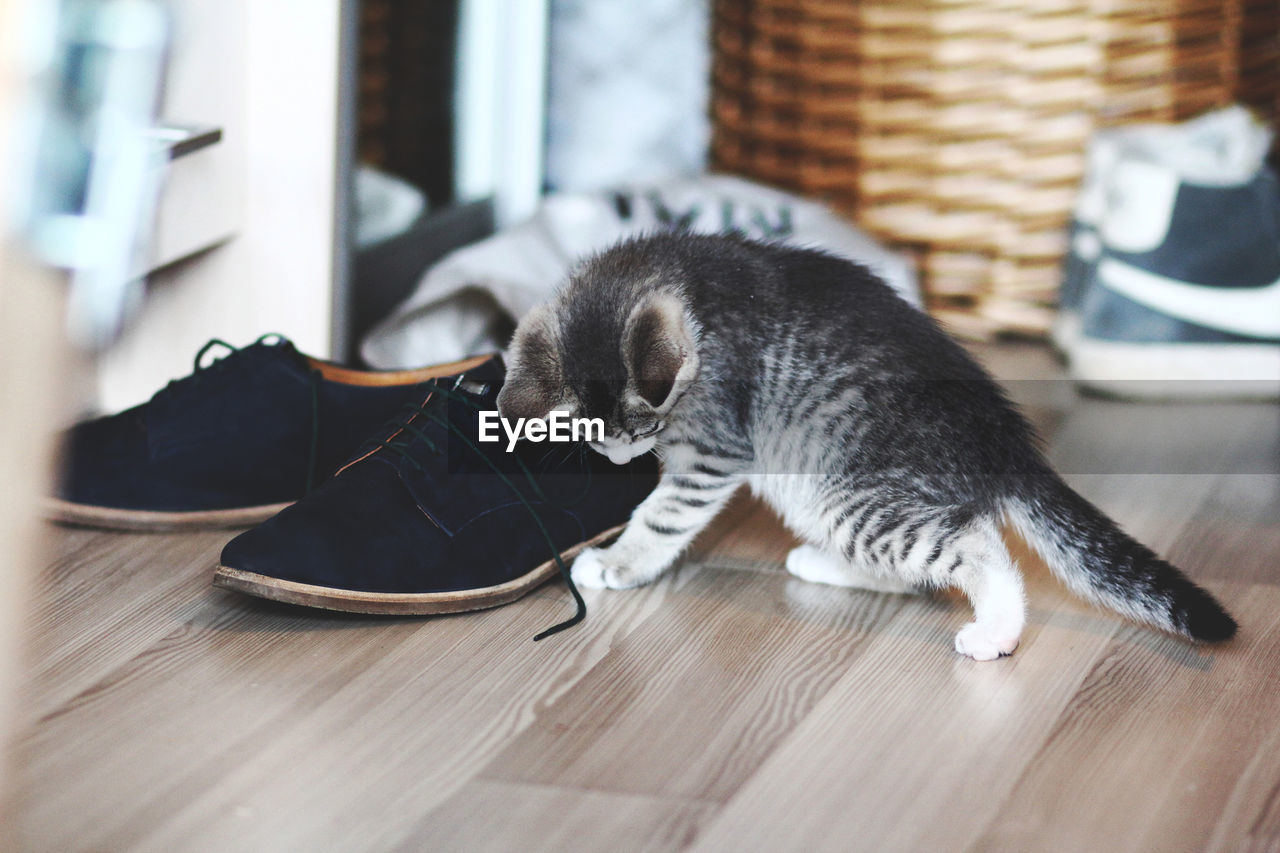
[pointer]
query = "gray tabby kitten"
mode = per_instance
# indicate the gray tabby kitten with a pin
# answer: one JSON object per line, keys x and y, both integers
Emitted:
{"x": 878, "y": 440}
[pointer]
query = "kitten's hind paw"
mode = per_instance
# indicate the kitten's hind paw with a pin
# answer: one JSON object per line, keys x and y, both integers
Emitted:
{"x": 986, "y": 642}
{"x": 810, "y": 564}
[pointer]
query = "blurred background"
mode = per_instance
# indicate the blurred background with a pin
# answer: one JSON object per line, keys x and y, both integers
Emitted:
{"x": 333, "y": 153}
{"x": 193, "y": 169}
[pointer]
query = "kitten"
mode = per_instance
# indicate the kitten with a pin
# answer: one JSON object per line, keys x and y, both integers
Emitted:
{"x": 877, "y": 439}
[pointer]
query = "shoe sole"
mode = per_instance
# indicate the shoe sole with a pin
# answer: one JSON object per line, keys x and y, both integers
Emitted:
{"x": 151, "y": 521}
{"x": 1177, "y": 371}
{"x": 400, "y": 603}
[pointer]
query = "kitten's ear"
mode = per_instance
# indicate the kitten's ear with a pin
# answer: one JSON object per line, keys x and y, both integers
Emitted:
{"x": 659, "y": 347}
{"x": 535, "y": 378}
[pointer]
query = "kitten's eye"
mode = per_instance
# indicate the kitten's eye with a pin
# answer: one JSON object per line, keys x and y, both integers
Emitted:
{"x": 649, "y": 429}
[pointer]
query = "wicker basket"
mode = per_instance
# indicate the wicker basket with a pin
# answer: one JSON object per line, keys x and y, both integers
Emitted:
{"x": 956, "y": 128}
{"x": 404, "y": 109}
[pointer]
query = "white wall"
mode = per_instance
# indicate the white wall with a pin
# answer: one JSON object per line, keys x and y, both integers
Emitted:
{"x": 267, "y": 73}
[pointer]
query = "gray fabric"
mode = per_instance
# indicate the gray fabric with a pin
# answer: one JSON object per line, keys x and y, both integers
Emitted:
{"x": 465, "y": 304}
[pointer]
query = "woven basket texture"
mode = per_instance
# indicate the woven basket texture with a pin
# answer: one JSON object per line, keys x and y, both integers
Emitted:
{"x": 404, "y": 108}
{"x": 956, "y": 129}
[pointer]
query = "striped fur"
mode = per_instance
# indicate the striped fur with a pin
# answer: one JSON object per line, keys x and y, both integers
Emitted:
{"x": 878, "y": 440}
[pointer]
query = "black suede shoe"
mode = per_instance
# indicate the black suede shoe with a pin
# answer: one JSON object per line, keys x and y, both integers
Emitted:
{"x": 231, "y": 444}
{"x": 431, "y": 520}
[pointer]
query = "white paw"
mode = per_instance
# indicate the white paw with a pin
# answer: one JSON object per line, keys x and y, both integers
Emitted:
{"x": 809, "y": 564}
{"x": 588, "y": 570}
{"x": 986, "y": 642}
{"x": 812, "y": 564}
{"x": 597, "y": 568}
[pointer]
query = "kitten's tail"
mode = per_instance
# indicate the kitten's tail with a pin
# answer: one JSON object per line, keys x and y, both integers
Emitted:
{"x": 1100, "y": 562}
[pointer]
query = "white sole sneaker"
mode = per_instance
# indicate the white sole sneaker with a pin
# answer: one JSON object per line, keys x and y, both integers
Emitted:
{"x": 1183, "y": 371}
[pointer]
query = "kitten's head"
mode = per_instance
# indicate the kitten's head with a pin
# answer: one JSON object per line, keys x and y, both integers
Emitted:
{"x": 594, "y": 354}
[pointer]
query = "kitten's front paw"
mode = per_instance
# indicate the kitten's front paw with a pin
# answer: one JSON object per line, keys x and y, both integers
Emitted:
{"x": 986, "y": 642}
{"x": 597, "y": 568}
{"x": 588, "y": 569}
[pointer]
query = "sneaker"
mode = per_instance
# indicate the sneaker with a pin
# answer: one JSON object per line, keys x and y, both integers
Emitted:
{"x": 429, "y": 519}
{"x": 1220, "y": 145}
{"x": 1185, "y": 300}
{"x": 231, "y": 444}
{"x": 1083, "y": 244}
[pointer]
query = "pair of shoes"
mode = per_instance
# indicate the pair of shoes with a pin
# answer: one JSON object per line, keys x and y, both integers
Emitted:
{"x": 422, "y": 518}
{"x": 1171, "y": 285}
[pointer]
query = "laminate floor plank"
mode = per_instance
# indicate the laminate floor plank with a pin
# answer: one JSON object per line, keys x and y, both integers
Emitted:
{"x": 746, "y": 535}
{"x": 912, "y": 748}
{"x": 1235, "y": 536}
{"x": 1235, "y": 801}
{"x": 1254, "y": 806}
{"x": 692, "y": 701}
{"x": 485, "y": 816}
{"x": 727, "y": 707}
{"x": 174, "y": 720}
{"x": 106, "y": 598}
{"x": 285, "y": 698}
{"x": 1107, "y": 778}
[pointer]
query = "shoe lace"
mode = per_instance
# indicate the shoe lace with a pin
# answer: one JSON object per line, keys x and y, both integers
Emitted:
{"x": 405, "y": 424}
{"x": 201, "y": 371}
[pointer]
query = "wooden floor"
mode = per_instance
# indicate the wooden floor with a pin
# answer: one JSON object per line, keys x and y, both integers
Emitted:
{"x": 727, "y": 707}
